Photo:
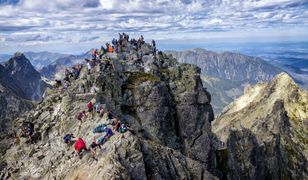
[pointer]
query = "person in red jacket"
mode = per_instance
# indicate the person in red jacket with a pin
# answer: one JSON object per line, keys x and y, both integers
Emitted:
{"x": 80, "y": 145}
{"x": 90, "y": 107}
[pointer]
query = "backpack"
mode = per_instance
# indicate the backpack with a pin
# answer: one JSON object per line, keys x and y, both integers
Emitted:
{"x": 123, "y": 128}
{"x": 67, "y": 138}
{"x": 99, "y": 129}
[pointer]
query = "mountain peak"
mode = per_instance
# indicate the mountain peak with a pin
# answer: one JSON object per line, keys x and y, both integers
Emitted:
{"x": 21, "y": 70}
{"x": 284, "y": 79}
{"x": 19, "y": 54}
{"x": 18, "y": 60}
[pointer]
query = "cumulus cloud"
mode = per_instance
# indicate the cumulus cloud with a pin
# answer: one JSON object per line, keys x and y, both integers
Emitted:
{"x": 85, "y": 21}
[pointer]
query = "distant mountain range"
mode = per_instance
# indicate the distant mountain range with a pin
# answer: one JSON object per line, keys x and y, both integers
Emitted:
{"x": 20, "y": 84}
{"x": 48, "y": 63}
{"x": 43, "y": 59}
{"x": 56, "y": 68}
{"x": 226, "y": 74}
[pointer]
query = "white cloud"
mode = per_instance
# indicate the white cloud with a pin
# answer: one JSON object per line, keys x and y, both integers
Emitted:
{"x": 79, "y": 21}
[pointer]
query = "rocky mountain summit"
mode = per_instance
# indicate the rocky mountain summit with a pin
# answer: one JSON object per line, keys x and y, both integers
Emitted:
{"x": 163, "y": 103}
{"x": 264, "y": 132}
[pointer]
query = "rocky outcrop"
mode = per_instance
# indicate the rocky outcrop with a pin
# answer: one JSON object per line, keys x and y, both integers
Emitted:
{"x": 164, "y": 104}
{"x": 11, "y": 106}
{"x": 263, "y": 132}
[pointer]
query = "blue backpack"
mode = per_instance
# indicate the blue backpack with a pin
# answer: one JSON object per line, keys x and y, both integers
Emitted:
{"x": 99, "y": 129}
{"x": 67, "y": 138}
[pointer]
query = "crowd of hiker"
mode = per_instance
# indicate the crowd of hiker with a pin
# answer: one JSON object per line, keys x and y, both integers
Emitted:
{"x": 102, "y": 133}
{"x": 105, "y": 62}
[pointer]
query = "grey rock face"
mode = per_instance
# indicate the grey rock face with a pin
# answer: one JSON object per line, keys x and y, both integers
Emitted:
{"x": 11, "y": 106}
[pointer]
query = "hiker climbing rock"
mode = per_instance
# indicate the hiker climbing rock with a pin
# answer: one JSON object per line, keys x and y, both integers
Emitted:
{"x": 80, "y": 146}
{"x": 93, "y": 148}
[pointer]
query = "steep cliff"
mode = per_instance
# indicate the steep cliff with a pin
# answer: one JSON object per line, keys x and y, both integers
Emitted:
{"x": 263, "y": 133}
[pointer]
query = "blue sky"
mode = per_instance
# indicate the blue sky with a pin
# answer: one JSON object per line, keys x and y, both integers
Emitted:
{"x": 73, "y": 26}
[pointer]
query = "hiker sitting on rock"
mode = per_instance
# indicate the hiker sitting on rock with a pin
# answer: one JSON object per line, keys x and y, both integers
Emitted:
{"x": 123, "y": 128}
{"x": 80, "y": 146}
{"x": 99, "y": 129}
{"x": 116, "y": 124}
{"x": 101, "y": 112}
{"x": 93, "y": 148}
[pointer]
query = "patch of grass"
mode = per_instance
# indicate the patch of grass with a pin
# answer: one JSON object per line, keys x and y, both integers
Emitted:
{"x": 137, "y": 78}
